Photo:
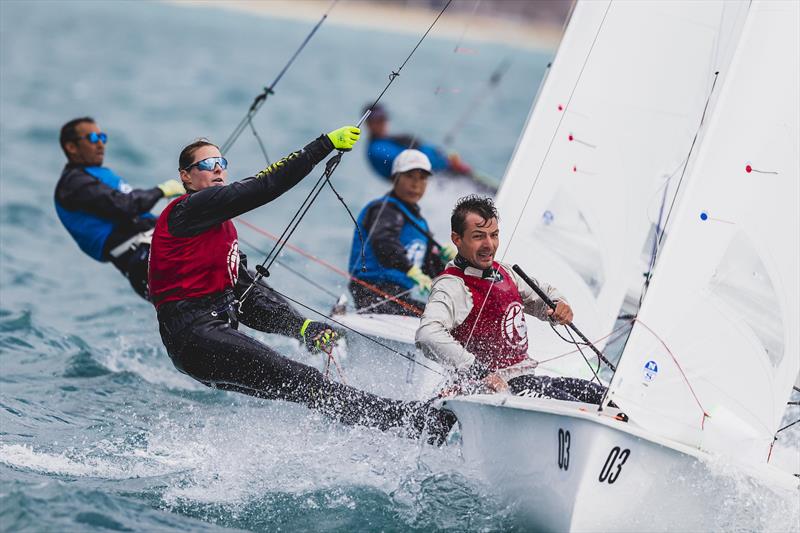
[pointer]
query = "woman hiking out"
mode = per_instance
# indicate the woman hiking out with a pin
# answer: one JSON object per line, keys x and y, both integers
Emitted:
{"x": 197, "y": 277}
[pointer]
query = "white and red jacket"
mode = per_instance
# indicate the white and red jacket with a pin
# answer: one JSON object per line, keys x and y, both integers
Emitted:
{"x": 461, "y": 325}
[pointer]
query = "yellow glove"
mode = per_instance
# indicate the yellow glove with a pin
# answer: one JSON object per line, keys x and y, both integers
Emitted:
{"x": 448, "y": 252}
{"x": 318, "y": 336}
{"x": 422, "y": 280}
{"x": 172, "y": 188}
{"x": 344, "y": 138}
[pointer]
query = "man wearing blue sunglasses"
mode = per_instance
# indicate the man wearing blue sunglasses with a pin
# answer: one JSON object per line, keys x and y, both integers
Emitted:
{"x": 109, "y": 220}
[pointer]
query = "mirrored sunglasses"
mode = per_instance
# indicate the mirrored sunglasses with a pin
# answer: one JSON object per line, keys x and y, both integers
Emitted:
{"x": 209, "y": 163}
{"x": 93, "y": 137}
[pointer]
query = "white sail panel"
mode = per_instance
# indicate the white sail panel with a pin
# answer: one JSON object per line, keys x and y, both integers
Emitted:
{"x": 616, "y": 115}
{"x": 718, "y": 331}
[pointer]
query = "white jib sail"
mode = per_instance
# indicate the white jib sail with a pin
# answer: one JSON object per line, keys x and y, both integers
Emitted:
{"x": 615, "y": 117}
{"x": 718, "y": 330}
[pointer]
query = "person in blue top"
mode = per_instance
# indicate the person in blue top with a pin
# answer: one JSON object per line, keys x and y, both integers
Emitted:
{"x": 383, "y": 148}
{"x": 400, "y": 255}
{"x": 109, "y": 220}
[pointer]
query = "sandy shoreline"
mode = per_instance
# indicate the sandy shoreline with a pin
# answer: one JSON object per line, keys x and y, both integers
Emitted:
{"x": 400, "y": 19}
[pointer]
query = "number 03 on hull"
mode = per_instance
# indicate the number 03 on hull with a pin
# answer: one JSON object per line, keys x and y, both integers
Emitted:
{"x": 564, "y": 466}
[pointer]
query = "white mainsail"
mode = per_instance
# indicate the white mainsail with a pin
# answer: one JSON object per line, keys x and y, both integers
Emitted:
{"x": 615, "y": 117}
{"x": 718, "y": 330}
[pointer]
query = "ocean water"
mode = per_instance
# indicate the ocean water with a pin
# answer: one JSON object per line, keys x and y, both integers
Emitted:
{"x": 97, "y": 430}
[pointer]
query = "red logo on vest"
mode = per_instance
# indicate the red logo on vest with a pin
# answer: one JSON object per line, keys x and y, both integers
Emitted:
{"x": 515, "y": 330}
{"x": 233, "y": 262}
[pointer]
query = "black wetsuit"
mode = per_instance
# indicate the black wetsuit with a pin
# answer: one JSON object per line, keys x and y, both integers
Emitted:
{"x": 383, "y": 223}
{"x": 78, "y": 190}
{"x": 201, "y": 334}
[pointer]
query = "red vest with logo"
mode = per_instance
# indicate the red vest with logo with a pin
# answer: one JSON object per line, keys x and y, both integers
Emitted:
{"x": 191, "y": 267}
{"x": 500, "y": 337}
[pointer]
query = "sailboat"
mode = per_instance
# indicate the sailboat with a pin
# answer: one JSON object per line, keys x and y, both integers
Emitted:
{"x": 714, "y": 350}
{"x": 591, "y": 216}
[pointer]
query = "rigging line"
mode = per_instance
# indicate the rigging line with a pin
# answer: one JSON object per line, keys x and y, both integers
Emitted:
{"x": 674, "y": 360}
{"x": 787, "y": 427}
{"x": 683, "y": 174}
{"x": 573, "y": 341}
{"x": 332, "y": 268}
{"x": 293, "y": 271}
{"x": 659, "y": 228}
{"x": 494, "y": 81}
{"x": 544, "y": 159}
{"x": 345, "y": 326}
{"x": 577, "y": 345}
{"x": 260, "y": 142}
{"x": 362, "y": 310}
{"x": 353, "y": 219}
{"x": 330, "y": 167}
{"x": 395, "y": 74}
{"x": 657, "y": 244}
{"x": 467, "y": 25}
{"x": 259, "y": 100}
{"x": 619, "y": 329}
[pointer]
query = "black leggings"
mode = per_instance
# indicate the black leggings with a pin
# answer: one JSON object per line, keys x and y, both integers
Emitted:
{"x": 214, "y": 353}
{"x": 133, "y": 266}
{"x": 570, "y": 389}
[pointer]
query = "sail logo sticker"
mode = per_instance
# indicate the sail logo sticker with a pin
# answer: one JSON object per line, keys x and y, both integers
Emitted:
{"x": 515, "y": 330}
{"x": 650, "y": 371}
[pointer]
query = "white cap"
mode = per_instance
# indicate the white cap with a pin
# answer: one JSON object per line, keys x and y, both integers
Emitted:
{"x": 410, "y": 160}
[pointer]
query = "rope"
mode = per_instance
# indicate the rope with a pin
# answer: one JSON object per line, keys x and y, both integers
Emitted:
{"x": 333, "y": 268}
{"x": 657, "y": 245}
{"x": 293, "y": 271}
{"x": 674, "y": 360}
{"x": 348, "y": 328}
{"x": 262, "y": 97}
{"x": 331, "y": 165}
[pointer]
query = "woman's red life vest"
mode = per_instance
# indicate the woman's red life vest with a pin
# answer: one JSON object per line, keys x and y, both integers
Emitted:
{"x": 191, "y": 267}
{"x": 499, "y": 338}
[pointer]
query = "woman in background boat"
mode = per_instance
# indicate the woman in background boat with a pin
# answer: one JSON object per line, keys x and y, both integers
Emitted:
{"x": 197, "y": 276}
{"x": 474, "y": 322}
{"x": 399, "y": 254}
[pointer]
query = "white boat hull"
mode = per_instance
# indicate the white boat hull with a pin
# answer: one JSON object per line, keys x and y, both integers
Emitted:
{"x": 565, "y": 467}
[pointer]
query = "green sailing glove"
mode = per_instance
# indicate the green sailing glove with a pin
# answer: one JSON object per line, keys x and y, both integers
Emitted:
{"x": 344, "y": 138}
{"x": 172, "y": 188}
{"x": 422, "y": 280}
{"x": 318, "y": 336}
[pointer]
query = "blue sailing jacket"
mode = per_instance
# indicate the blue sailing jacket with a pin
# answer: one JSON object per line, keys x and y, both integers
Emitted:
{"x": 381, "y": 154}
{"x": 412, "y": 239}
{"x": 91, "y": 231}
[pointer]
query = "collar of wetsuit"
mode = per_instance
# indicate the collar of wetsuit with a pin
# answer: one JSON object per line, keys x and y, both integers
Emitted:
{"x": 487, "y": 273}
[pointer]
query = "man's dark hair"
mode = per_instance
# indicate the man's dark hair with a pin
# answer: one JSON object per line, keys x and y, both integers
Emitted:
{"x": 187, "y": 154}
{"x": 68, "y": 132}
{"x": 482, "y": 206}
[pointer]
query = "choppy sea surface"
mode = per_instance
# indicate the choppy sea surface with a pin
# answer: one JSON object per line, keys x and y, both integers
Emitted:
{"x": 98, "y": 431}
